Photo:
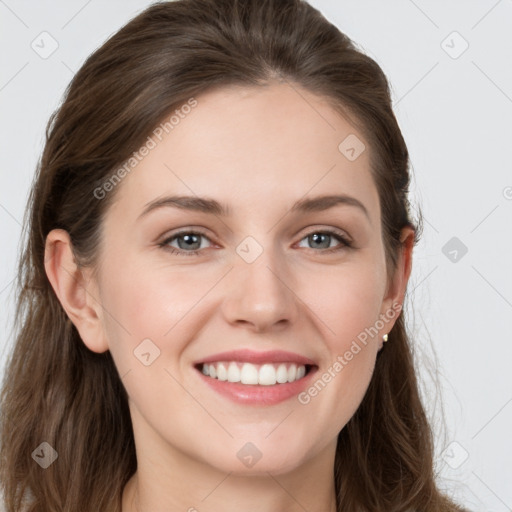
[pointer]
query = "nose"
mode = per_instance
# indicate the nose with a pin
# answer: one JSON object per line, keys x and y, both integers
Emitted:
{"x": 260, "y": 294}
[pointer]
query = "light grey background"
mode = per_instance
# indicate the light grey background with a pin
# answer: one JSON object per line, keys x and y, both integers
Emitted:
{"x": 455, "y": 112}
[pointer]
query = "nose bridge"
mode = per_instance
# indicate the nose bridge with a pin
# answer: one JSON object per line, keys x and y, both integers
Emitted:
{"x": 257, "y": 292}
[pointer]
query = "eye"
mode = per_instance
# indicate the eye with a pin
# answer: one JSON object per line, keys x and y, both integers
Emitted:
{"x": 324, "y": 239}
{"x": 191, "y": 240}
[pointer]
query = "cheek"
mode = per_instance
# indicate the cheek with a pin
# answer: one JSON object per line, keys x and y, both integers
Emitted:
{"x": 347, "y": 307}
{"x": 148, "y": 326}
{"x": 143, "y": 303}
{"x": 346, "y": 301}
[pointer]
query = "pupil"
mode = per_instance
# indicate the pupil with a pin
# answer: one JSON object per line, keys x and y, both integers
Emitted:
{"x": 189, "y": 239}
{"x": 316, "y": 236}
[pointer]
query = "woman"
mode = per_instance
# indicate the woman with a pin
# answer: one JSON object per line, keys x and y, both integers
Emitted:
{"x": 184, "y": 344}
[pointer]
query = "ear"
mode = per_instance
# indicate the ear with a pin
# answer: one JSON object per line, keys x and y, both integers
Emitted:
{"x": 75, "y": 290}
{"x": 394, "y": 299}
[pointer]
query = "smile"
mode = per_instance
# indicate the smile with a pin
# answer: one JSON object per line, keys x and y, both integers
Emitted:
{"x": 267, "y": 374}
{"x": 256, "y": 378}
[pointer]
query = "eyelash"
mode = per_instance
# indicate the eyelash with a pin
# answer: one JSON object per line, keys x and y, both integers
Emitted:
{"x": 345, "y": 243}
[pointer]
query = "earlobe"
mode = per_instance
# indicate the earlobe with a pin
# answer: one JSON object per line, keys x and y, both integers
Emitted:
{"x": 69, "y": 283}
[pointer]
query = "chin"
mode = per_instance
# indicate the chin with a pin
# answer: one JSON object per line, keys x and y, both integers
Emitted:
{"x": 245, "y": 458}
{"x": 275, "y": 466}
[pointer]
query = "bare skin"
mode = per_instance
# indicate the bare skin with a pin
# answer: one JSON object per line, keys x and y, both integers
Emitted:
{"x": 257, "y": 150}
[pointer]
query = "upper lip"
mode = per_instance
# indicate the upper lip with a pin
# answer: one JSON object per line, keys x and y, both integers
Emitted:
{"x": 250, "y": 356}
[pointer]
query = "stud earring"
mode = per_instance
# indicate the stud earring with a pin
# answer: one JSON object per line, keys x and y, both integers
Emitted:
{"x": 385, "y": 338}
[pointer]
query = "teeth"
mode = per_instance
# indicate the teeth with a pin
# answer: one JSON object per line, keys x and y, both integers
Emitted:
{"x": 233, "y": 372}
{"x": 267, "y": 375}
{"x": 282, "y": 374}
{"x": 248, "y": 373}
{"x": 222, "y": 373}
{"x": 292, "y": 373}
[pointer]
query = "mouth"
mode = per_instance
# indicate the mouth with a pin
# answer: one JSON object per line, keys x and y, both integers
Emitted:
{"x": 249, "y": 374}
{"x": 256, "y": 378}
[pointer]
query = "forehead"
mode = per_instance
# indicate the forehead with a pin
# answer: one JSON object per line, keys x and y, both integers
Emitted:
{"x": 247, "y": 145}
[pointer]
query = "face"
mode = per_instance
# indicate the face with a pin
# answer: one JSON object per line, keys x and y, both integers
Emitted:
{"x": 263, "y": 292}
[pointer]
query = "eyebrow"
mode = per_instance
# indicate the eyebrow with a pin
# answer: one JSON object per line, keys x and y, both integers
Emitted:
{"x": 213, "y": 207}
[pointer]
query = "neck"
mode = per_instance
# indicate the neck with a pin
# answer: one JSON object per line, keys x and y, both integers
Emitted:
{"x": 252, "y": 494}
{"x": 193, "y": 487}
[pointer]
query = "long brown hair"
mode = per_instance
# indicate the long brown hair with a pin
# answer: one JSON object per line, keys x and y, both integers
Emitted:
{"x": 56, "y": 390}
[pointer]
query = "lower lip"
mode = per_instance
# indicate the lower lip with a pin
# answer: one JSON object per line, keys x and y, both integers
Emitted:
{"x": 252, "y": 394}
